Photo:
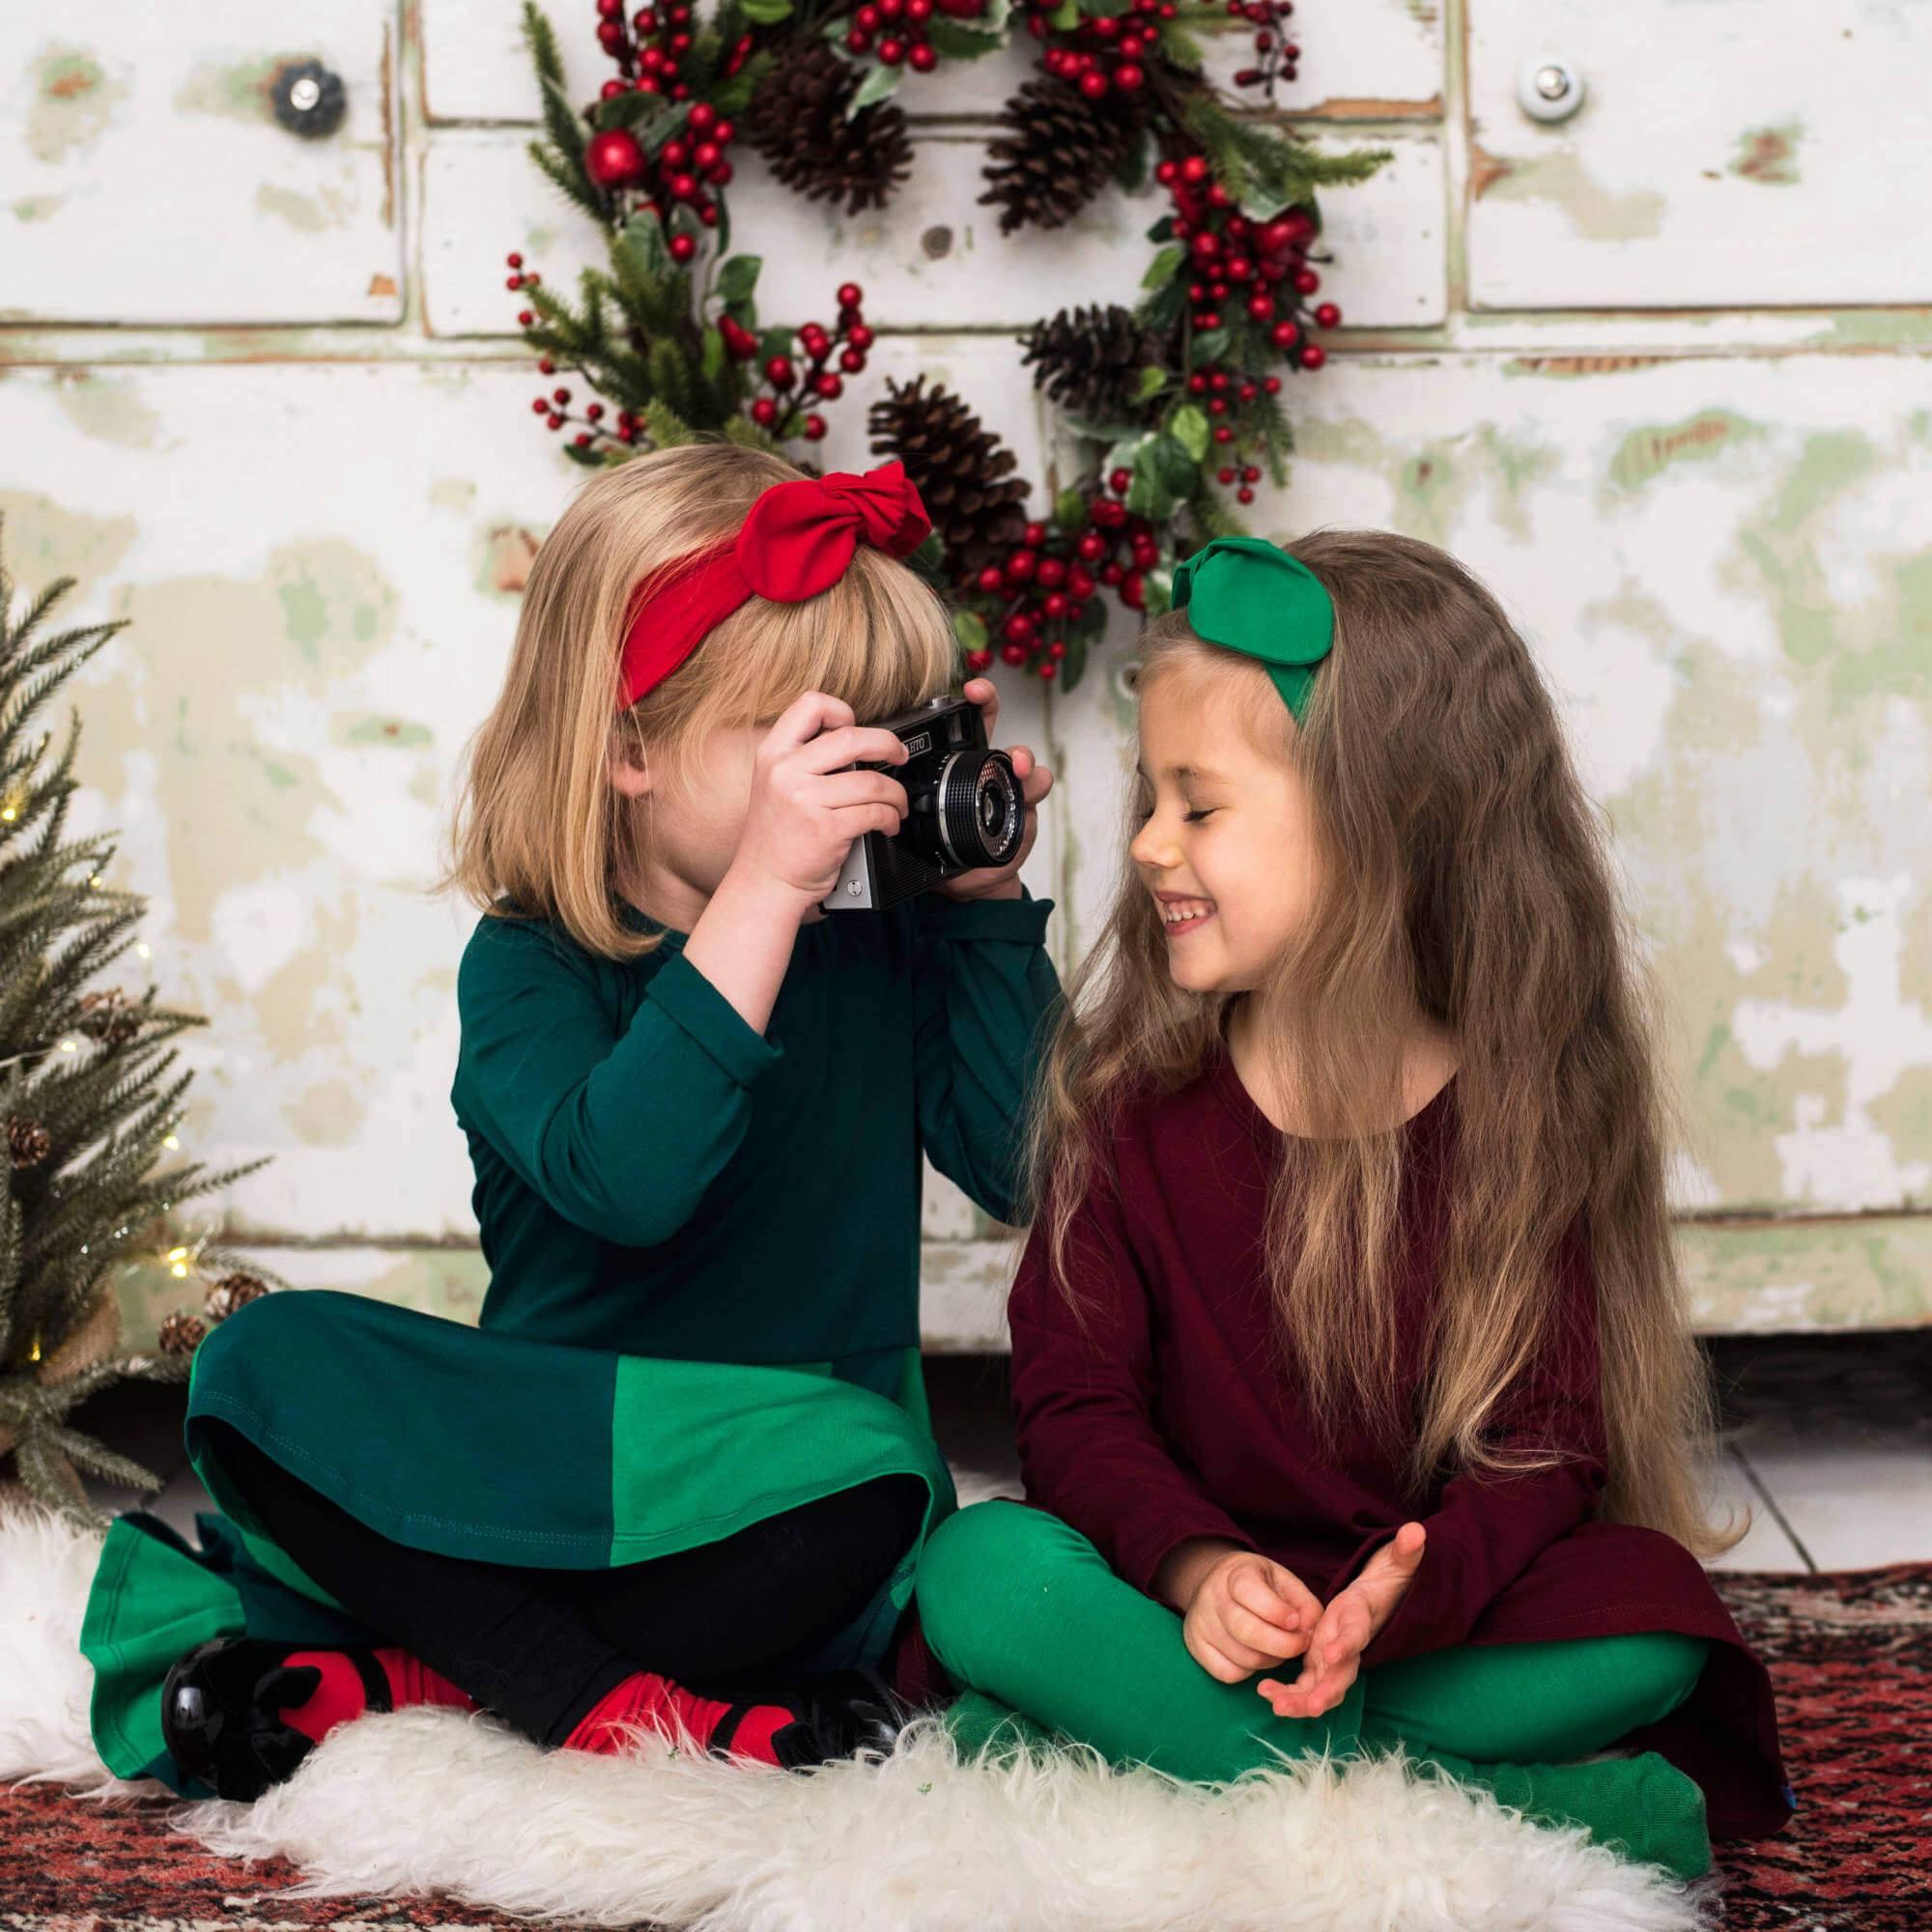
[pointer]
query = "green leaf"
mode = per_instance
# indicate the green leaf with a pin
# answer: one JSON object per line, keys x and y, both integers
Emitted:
{"x": 738, "y": 276}
{"x": 951, "y": 40}
{"x": 643, "y": 241}
{"x": 1104, "y": 8}
{"x": 1073, "y": 666}
{"x": 1091, "y": 621}
{"x": 766, "y": 12}
{"x": 1188, "y": 426}
{"x": 1158, "y": 591}
{"x": 1130, "y": 173}
{"x": 589, "y": 458}
{"x": 1152, "y": 380}
{"x": 880, "y": 80}
{"x": 1064, "y": 17}
{"x": 668, "y": 122}
{"x": 1208, "y": 344}
{"x": 970, "y": 628}
{"x": 773, "y": 342}
{"x": 713, "y": 359}
{"x": 1163, "y": 265}
{"x": 1172, "y": 463}
{"x": 1069, "y": 511}
{"x": 628, "y": 110}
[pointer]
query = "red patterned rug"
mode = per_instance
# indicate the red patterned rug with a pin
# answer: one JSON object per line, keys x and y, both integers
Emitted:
{"x": 1851, "y": 1655}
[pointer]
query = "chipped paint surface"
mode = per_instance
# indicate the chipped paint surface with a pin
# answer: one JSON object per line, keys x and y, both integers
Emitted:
{"x": 1690, "y": 453}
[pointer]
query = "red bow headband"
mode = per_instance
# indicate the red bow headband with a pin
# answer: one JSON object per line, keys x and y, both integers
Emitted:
{"x": 797, "y": 539}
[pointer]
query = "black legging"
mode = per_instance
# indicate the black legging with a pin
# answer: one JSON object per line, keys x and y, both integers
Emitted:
{"x": 538, "y": 1648}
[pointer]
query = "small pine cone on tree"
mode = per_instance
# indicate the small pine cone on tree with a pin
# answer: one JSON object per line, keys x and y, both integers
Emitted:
{"x": 232, "y": 1292}
{"x": 181, "y": 1332}
{"x": 797, "y": 122}
{"x": 1058, "y": 151}
{"x": 28, "y": 1142}
{"x": 959, "y": 468}
{"x": 108, "y": 1016}
{"x": 1089, "y": 359}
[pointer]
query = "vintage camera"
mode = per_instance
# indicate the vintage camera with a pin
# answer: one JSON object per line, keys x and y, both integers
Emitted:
{"x": 967, "y": 809}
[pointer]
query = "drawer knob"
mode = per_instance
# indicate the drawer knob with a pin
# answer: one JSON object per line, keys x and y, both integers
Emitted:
{"x": 309, "y": 99}
{"x": 1548, "y": 88}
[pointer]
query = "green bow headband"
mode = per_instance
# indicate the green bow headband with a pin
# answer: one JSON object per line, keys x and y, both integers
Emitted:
{"x": 1250, "y": 596}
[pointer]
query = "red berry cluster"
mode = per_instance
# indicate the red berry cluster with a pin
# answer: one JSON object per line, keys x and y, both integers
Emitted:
{"x": 896, "y": 31}
{"x": 1278, "y": 54}
{"x": 779, "y": 411}
{"x": 1047, "y": 582}
{"x": 679, "y": 172}
{"x": 1105, "y": 53}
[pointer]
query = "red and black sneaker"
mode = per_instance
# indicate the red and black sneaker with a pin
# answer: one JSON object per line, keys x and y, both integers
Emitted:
{"x": 221, "y": 1707}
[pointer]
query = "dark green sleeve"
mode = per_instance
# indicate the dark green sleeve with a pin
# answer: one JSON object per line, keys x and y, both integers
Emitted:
{"x": 984, "y": 993}
{"x": 619, "y": 1132}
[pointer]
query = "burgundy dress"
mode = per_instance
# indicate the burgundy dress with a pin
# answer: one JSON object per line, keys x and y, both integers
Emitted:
{"x": 1165, "y": 1418}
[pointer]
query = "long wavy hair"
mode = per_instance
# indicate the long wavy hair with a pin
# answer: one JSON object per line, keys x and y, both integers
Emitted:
{"x": 538, "y": 821}
{"x": 1462, "y": 875}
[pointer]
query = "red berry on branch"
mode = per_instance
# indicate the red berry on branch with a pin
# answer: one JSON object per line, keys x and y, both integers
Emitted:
{"x": 851, "y": 296}
{"x": 555, "y": 422}
{"x": 815, "y": 428}
{"x": 1224, "y": 476}
{"x": 851, "y": 361}
{"x": 779, "y": 373}
{"x": 1328, "y": 315}
{"x": 614, "y": 159}
{"x": 541, "y": 407}
{"x": 582, "y": 438}
{"x": 764, "y": 412}
{"x": 992, "y": 578}
{"x": 1093, "y": 85}
{"x": 1313, "y": 355}
{"x": 514, "y": 260}
{"x": 1120, "y": 481}
{"x": 682, "y": 247}
{"x": 1284, "y": 335}
{"x": 829, "y": 386}
{"x": 1271, "y": 386}
{"x": 1133, "y": 590}
{"x": 560, "y": 395}
{"x": 1091, "y": 546}
{"x": 594, "y": 411}
{"x": 525, "y": 317}
{"x": 1129, "y": 77}
{"x": 513, "y": 281}
{"x": 1056, "y": 649}
{"x": 701, "y": 116}
{"x": 891, "y": 51}
{"x": 1013, "y": 654}
{"x": 1034, "y": 535}
{"x": 610, "y": 90}
{"x": 1194, "y": 169}
{"x": 1244, "y": 494}
{"x": 546, "y": 367}
{"x": 1306, "y": 281}
{"x": 1048, "y": 672}
{"x": 611, "y": 37}
{"x": 922, "y": 59}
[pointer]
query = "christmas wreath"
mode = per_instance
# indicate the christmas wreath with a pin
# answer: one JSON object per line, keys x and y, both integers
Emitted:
{"x": 1175, "y": 403}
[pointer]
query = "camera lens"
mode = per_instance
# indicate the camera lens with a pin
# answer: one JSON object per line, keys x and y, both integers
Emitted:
{"x": 981, "y": 814}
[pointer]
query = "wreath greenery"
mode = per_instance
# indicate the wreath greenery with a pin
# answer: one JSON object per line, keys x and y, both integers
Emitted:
{"x": 1175, "y": 403}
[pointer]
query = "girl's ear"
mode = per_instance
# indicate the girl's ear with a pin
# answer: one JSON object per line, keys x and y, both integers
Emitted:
{"x": 630, "y": 768}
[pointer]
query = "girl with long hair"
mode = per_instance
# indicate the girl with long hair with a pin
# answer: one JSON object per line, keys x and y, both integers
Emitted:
{"x": 1357, "y": 1401}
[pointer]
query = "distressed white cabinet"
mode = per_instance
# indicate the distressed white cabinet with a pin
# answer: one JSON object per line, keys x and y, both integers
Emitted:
{"x": 1574, "y": 353}
{"x": 147, "y": 178}
{"x": 1726, "y": 153}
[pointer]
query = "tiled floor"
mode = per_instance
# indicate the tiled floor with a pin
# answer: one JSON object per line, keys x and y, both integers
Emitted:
{"x": 1827, "y": 1442}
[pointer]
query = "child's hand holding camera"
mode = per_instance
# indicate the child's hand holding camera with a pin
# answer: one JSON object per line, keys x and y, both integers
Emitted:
{"x": 1001, "y": 882}
{"x": 807, "y": 807}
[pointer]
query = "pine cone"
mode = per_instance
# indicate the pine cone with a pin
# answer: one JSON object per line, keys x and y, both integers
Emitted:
{"x": 181, "y": 1332}
{"x": 232, "y": 1292}
{"x": 108, "y": 1016}
{"x": 956, "y": 465}
{"x": 1090, "y": 359}
{"x": 797, "y": 122}
{"x": 1058, "y": 151}
{"x": 28, "y": 1140}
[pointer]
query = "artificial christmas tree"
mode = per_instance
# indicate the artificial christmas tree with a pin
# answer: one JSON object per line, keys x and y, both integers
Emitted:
{"x": 87, "y": 1091}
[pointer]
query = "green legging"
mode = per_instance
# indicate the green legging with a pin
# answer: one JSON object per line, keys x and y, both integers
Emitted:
{"x": 1024, "y": 1610}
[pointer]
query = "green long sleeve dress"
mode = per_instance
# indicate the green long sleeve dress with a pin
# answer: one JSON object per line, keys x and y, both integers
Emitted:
{"x": 703, "y": 1304}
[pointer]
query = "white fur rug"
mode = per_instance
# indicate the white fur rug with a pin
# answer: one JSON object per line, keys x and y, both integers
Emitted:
{"x": 433, "y": 1801}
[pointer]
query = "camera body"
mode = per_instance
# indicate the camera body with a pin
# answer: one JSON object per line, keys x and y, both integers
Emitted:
{"x": 967, "y": 809}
